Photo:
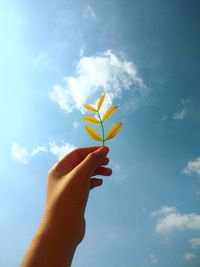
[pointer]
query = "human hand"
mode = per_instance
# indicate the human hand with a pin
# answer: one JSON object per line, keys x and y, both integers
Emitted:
{"x": 62, "y": 226}
{"x": 69, "y": 183}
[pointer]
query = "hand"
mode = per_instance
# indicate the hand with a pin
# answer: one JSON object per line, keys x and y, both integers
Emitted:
{"x": 69, "y": 183}
{"x": 62, "y": 226}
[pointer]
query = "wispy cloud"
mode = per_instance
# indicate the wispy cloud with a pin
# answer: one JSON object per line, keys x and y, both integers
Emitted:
{"x": 23, "y": 155}
{"x": 183, "y": 107}
{"x": 76, "y": 124}
{"x": 180, "y": 115}
{"x": 60, "y": 151}
{"x": 118, "y": 172}
{"x": 169, "y": 219}
{"x": 195, "y": 242}
{"x": 189, "y": 255}
{"x": 152, "y": 259}
{"x": 19, "y": 153}
{"x": 89, "y": 12}
{"x": 82, "y": 50}
{"x": 193, "y": 167}
{"x": 130, "y": 105}
{"x": 38, "y": 149}
{"x": 165, "y": 210}
{"x": 105, "y": 72}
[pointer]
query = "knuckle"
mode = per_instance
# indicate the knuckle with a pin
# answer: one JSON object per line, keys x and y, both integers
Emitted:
{"x": 53, "y": 171}
{"x": 92, "y": 156}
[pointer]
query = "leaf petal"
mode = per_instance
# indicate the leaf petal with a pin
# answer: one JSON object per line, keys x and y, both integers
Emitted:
{"x": 100, "y": 102}
{"x": 90, "y": 108}
{"x": 93, "y": 133}
{"x": 91, "y": 119}
{"x": 113, "y": 131}
{"x": 109, "y": 112}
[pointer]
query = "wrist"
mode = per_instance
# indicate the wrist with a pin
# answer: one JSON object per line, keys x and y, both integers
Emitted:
{"x": 67, "y": 229}
{"x": 64, "y": 233}
{"x": 50, "y": 247}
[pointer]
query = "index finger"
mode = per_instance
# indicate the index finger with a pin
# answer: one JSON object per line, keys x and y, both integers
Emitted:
{"x": 75, "y": 157}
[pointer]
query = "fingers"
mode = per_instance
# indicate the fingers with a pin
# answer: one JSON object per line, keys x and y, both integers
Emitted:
{"x": 74, "y": 158}
{"x": 95, "y": 182}
{"x": 84, "y": 151}
{"x": 78, "y": 154}
{"x": 103, "y": 171}
{"x": 93, "y": 160}
{"x": 106, "y": 161}
{"x": 96, "y": 158}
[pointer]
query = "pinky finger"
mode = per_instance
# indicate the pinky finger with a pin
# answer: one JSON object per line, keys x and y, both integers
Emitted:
{"x": 95, "y": 182}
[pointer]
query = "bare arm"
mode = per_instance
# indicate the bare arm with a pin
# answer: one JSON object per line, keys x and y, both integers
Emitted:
{"x": 62, "y": 226}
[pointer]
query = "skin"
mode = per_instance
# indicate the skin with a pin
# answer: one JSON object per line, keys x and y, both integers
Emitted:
{"x": 62, "y": 226}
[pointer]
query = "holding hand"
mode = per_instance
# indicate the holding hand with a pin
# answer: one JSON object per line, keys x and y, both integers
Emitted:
{"x": 62, "y": 226}
{"x": 69, "y": 183}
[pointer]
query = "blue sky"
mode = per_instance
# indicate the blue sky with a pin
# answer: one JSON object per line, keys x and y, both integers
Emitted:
{"x": 58, "y": 55}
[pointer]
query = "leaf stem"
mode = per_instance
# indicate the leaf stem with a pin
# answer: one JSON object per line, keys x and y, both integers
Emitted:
{"x": 101, "y": 126}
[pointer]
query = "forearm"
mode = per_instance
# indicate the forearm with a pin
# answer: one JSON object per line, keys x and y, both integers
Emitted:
{"x": 50, "y": 248}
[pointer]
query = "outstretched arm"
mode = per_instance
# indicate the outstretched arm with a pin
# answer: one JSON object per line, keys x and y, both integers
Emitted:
{"x": 62, "y": 226}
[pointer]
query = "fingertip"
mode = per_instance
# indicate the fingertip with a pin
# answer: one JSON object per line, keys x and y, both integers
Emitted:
{"x": 95, "y": 182}
{"x": 104, "y": 149}
{"x": 99, "y": 182}
{"x": 107, "y": 148}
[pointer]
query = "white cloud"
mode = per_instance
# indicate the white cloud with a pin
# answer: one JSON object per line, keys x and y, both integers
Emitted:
{"x": 23, "y": 155}
{"x": 118, "y": 172}
{"x": 82, "y": 50}
{"x": 152, "y": 259}
{"x": 163, "y": 211}
{"x": 60, "y": 151}
{"x": 62, "y": 97}
{"x": 38, "y": 149}
{"x": 76, "y": 124}
{"x": 180, "y": 115}
{"x": 89, "y": 12}
{"x": 193, "y": 167}
{"x": 170, "y": 219}
{"x": 105, "y": 72}
{"x": 195, "y": 242}
{"x": 130, "y": 105}
{"x": 19, "y": 153}
{"x": 189, "y": 256}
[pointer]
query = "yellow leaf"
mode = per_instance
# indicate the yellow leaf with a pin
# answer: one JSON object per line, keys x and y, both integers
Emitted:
{"x": 90, "y": 108}
{"x": 100, "y": 102}
{"x": 109, "y": 112}
{"x": 93, "y": 133}
{"x": 113, "y": 131}
{"x": 91, "y": 119}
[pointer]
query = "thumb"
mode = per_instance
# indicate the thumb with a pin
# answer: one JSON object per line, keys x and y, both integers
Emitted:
{"x": 93, "y": 160}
